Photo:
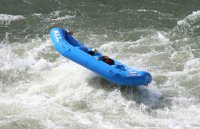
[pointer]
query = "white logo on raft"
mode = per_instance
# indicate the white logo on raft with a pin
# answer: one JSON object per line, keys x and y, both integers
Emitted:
{"x": 57, "y": 35}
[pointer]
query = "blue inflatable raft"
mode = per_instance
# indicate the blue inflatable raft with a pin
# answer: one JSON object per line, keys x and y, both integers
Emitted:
{"x": 104, "y": 66}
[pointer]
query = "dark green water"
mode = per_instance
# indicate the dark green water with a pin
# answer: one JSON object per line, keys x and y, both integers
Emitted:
{"x": 39, "y": 89}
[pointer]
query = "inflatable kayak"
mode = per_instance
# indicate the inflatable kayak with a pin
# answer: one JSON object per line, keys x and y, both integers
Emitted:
{"x": 93, "y": 60}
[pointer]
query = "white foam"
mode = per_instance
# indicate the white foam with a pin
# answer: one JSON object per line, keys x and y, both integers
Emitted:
{"x": 23, "y": 56}
{"x": 28, "y": 2}
{"x": 192, "y": 65}
{"x": 56, "y": 16}
{"x": 37, "y": 14}
{"x": 40, "y": 65}
{"x": 55, "y": 13}
{"x": 187, "y": 21}
{"x": 163, "y": 38}
{"x": 11, "y": 61}
{"x": 154, "y": 11}
{"x": 66, "y": 17}
{"x": 7, "y": 19}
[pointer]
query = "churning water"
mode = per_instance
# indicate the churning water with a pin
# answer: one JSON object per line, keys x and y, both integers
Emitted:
{"x": 39, "y": 89}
